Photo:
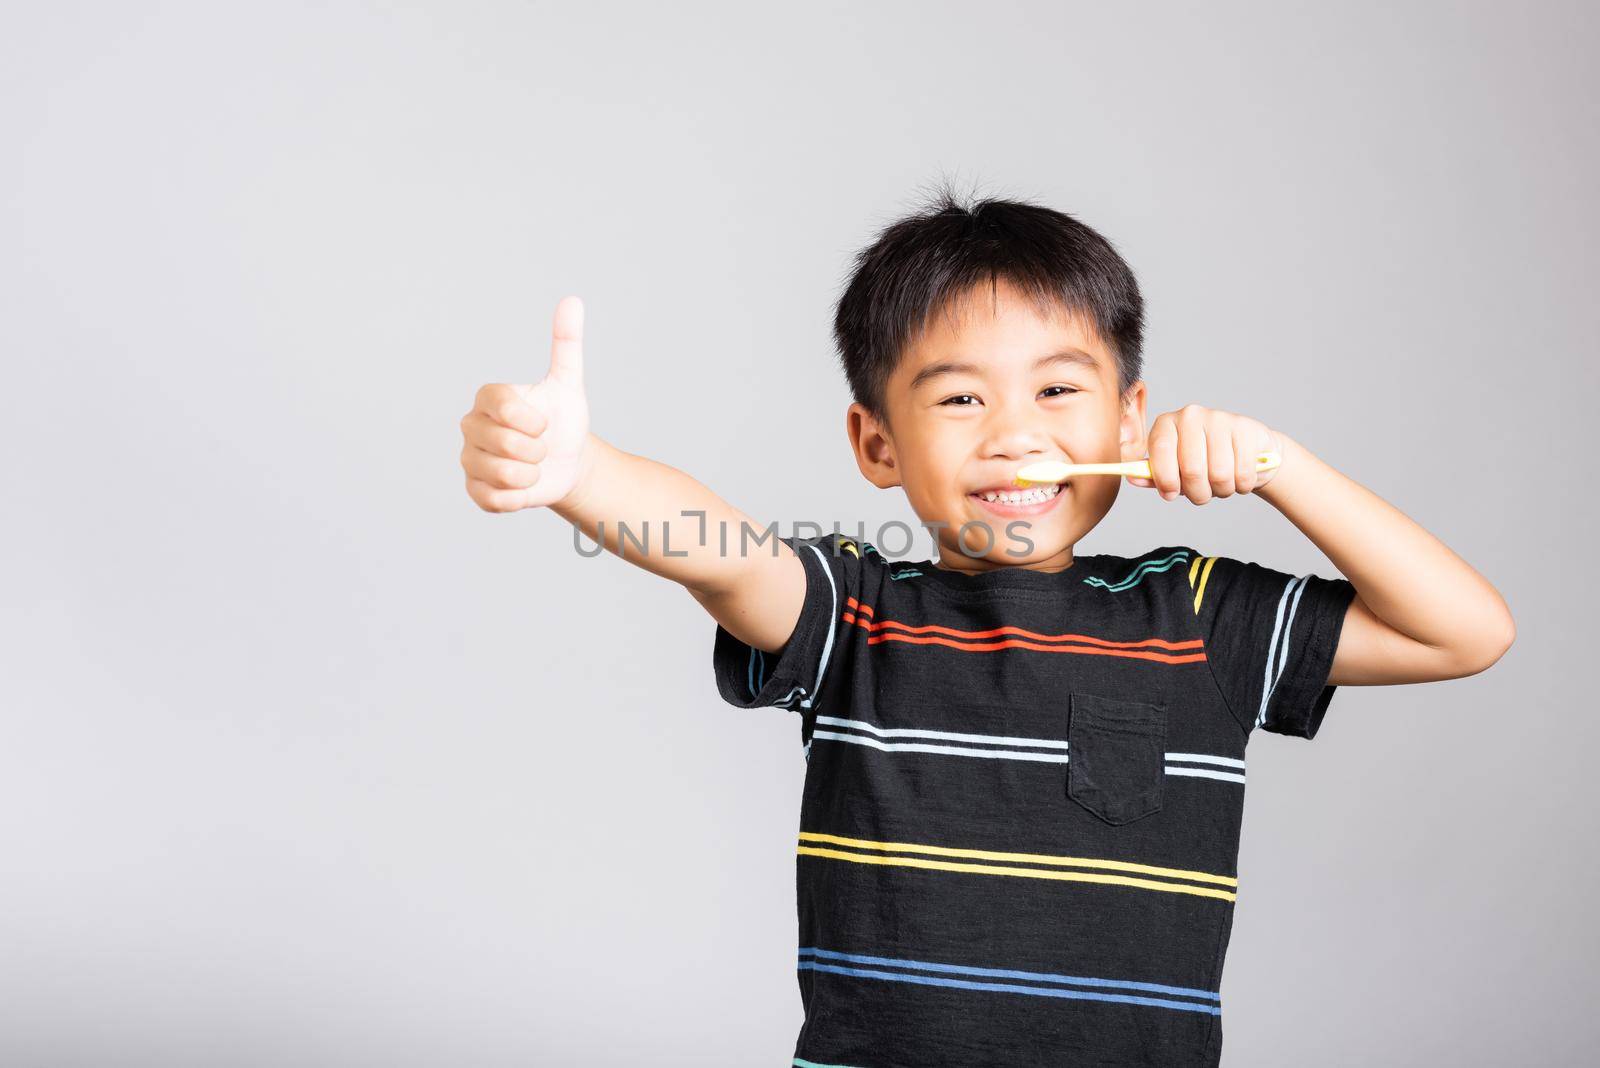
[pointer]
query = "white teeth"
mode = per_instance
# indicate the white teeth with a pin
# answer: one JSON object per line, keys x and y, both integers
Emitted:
{"x": 1032, "y": 495}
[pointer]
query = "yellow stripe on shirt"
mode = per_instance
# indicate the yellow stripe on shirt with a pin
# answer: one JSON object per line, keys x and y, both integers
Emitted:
{"x": 1030, "y": 873}
{"x": 1205, "y": 573}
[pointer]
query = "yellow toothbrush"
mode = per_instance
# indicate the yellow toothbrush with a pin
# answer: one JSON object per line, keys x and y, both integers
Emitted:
{"x": 1051, "y": 471}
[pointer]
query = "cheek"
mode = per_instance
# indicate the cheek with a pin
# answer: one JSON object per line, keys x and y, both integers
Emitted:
{"x": 1090, "y": 433}
{"x": 947, "y": 472}
{"x": 1096, "y": 492}
{"x": 934, "y": 463}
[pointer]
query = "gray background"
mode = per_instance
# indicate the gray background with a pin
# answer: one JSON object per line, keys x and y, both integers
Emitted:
{"x": 308, "y": 761}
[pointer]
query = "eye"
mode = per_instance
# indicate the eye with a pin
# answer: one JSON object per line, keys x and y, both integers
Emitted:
{"x": 960, "y": 400}
{"x": 1066, "y": 389}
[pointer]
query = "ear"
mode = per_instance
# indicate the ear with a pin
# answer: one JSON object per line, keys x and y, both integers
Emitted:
{"x": 870, "y": 441}
{"x": 1131, "y": 430}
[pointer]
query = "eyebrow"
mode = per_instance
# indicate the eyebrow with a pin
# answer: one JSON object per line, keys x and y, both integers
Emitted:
{"x": 953, "y": 367}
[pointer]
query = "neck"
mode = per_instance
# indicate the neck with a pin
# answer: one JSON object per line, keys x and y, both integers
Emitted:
{"x": 955, "y": 560}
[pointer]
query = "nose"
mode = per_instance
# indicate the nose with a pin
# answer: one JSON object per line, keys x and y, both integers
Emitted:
{"x": 1011, "y": 435}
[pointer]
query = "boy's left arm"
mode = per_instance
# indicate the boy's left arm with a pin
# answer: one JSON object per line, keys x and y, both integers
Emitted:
{"x": 1421, "y": 613}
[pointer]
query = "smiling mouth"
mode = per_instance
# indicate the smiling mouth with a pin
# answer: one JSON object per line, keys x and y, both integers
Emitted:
{"x": 1019, "y": 497}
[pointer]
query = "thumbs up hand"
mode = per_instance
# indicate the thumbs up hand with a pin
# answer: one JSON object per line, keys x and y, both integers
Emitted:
{"x": 527, "y": 446}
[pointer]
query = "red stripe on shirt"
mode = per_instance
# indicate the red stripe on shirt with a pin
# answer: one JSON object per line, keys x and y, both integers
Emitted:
{"x": 887, "y": 630}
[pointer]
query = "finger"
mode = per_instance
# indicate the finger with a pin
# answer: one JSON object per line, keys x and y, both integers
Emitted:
{"x": 1164, "y": 458}
{"x": 509, "y": 407}
{"x": 498, "y": 471}
{"x": 566, "y": 343}
{"x": 1193, "y": 472}
{"x": 1244, "y": 463}
{"x": 478, "y": 429}
{"x": 1220, "y": 454}
{"x": 490, "y": 499}
{"x": 488, "y": 394}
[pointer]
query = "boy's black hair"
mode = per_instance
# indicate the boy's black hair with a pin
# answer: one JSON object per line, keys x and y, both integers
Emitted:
{"x": 923, "y": 263}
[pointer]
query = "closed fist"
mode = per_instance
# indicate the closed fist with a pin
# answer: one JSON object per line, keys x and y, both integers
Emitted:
{"x": 1201, "y": 453}
{"x": 527, "y": 446}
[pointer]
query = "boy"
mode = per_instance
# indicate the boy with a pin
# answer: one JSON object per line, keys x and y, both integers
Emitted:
{"x": 1025, "y": 777}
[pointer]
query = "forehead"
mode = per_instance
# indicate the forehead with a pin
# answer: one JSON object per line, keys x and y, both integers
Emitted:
{"x": 998, "y": 327}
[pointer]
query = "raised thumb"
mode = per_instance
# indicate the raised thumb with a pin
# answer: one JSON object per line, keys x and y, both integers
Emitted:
{"x": 566, "y": 342}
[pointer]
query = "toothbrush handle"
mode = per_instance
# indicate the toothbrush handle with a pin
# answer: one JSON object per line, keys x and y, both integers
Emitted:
{"x": 1265, "y": 461}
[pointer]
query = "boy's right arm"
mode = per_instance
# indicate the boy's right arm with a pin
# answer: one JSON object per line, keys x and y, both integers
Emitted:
{"x": 529, "y": 446}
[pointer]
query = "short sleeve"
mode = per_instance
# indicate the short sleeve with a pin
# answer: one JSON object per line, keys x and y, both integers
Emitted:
{"x": 794, "y": 677}
{"x": 1269, "y": 638}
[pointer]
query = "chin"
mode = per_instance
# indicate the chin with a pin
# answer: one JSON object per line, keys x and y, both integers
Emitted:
{"x": 1047, "y": 537}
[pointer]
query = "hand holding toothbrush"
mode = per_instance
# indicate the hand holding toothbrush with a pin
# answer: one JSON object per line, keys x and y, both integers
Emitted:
{"x": 1195, "y": 452}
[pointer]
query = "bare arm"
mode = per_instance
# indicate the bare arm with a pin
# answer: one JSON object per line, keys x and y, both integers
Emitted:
{"x": 1422, "y": 612}
{"x": 529, "y": 446}
{"x": 753, "y": 591}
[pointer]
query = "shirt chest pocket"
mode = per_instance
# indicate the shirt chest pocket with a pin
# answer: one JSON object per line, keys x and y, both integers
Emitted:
{"x": 1116, "y": 756}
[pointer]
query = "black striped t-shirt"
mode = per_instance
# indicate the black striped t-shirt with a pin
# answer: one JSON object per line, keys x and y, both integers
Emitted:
{"x": 1019, "y": 831}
